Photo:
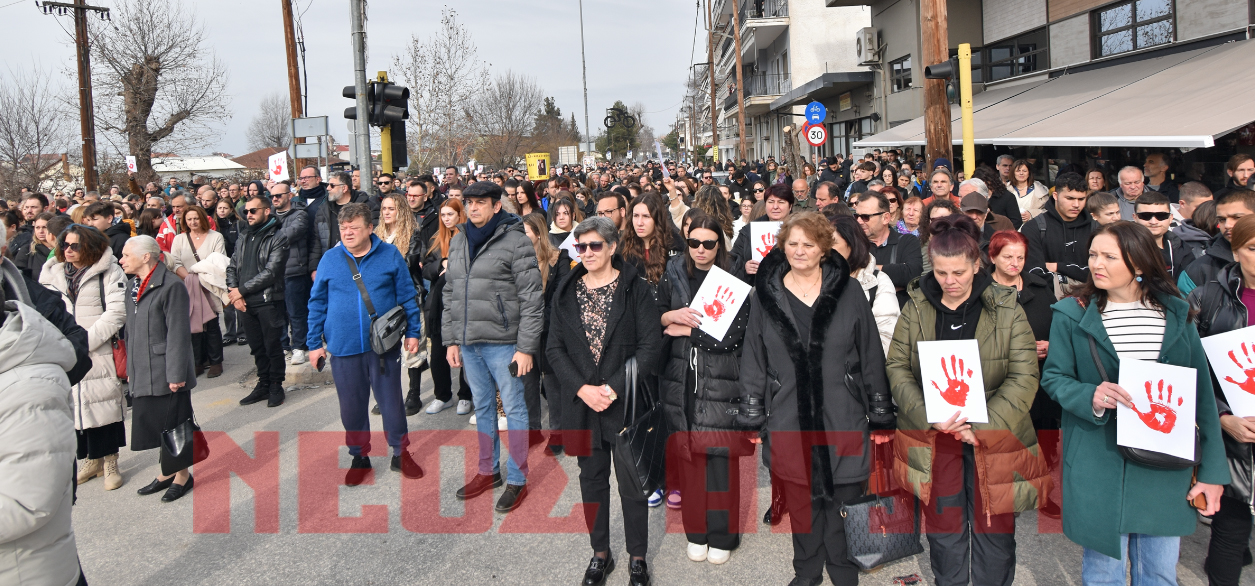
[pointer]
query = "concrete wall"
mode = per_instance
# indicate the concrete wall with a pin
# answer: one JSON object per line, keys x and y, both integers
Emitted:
{"x": 1007, "y": 18}
{"x": 823, "y": 38}
{"x": 1069, "y": 41}
{"x": 965, "y": 20}
{"x": 1198, "y": 18}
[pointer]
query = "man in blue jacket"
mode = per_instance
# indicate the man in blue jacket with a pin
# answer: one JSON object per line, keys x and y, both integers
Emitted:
{"x": 355, "y": 367}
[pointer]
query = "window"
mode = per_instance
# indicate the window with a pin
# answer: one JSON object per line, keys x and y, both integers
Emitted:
{"x": 1133, "y": 25}
{"x": 900, "y": 74}
{"x": 1016, "y": 56}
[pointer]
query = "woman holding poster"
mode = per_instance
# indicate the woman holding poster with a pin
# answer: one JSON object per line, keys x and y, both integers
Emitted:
{"x": 700, "y": 390}
{"x": 812, "y": 373}
{"x": 1225, "y": 305}
{"x": 981, "y": 473}
{"x": 1131, "y": 311}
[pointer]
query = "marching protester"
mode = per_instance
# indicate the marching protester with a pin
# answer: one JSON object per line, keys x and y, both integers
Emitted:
{"x": 255, "y": 288}
{"x": 898, "y": 255}
{"x": 1030, "y": 195}
{"x": 1127, "y": 310}
{"x": 994, "y": 468}
{"x": 1057, "y": 236}
{"x": 93, "y": 286}
{"x": 1153, "y": 210}
{"x": 779, "y": 202}
{"x": 434, "y": 268}
{"x": 563, "y": 217}
{"x": 1230, "y": 207}
{"x": 610, "y": 317}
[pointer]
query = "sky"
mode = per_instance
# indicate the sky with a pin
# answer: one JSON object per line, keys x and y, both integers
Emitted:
{"x": 637, "y": 50}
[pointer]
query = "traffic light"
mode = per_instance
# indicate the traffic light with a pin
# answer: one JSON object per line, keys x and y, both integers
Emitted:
{"x": 399, "y": 148}
{"x": 351, "y": 93}
{"x": 947, "y": 70}
{"x": 390, "y": 104}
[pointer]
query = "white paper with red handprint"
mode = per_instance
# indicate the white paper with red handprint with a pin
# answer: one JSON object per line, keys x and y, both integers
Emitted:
{"x": 763, "y": 238}
{"x": 718, "y": 300}
{"x": 1164, "y": 398}
{"x": 951, "y": 376}
{"x": 131, "y": 165}
{"x": 1232, "y": 358}
{"x": 277, "y": 164}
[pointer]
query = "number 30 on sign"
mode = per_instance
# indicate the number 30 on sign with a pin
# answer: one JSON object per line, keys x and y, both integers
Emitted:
{"x": 816, "y": 135}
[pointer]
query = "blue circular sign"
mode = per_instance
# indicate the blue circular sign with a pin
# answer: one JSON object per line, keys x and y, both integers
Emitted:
{"x": 816, "y": 113}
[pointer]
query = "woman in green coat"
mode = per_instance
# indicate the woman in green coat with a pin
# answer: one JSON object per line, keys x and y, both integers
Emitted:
{"x": 1133, "y": 311}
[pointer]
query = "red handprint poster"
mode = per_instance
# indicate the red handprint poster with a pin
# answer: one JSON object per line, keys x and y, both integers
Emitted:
{"x": 1162, "y": 417}
{"x": 952, "y": 380}
{"x": 763, "y": 238}
{"x": 718, "y": 300}
{"x": 1232, "y": 358}
{"x": 278, "y": 166}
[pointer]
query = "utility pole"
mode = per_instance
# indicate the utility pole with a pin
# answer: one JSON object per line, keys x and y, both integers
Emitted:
{"x": 358, "y": 26}
{"x": 294, "y": 70}
{"x": 740, "y": 81}
{"x": 710, "y": 57}
{"x": 584, "y": 69}
{"x": 86, "y": 108}
{"x": 934, "y": 29}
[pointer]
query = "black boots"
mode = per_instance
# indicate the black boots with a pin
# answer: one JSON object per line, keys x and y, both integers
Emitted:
{"x": 413, "y": 404}
{"x": 260, "y": 393}
{"x": 276, "y": 395}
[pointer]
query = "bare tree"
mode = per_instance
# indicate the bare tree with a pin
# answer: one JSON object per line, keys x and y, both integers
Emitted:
{"x": 270, "y": 128}
{"x": 156, "y": 80}
{"x": 34, "y": 129}
{"x": 504, "y": 114}
{"x": 445, "y": 77}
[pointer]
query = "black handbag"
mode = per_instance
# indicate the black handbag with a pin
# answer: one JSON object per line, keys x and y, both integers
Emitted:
{"x": 642, "y": 442}
{"x": 880, "y": 529}
{"x": 184, "y": 436}
{"x": 385, "y": 330}
{"x": 1148, "y": 457}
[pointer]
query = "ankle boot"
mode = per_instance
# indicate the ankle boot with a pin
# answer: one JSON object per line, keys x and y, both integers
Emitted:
{"x": 276, "y": 395}
{"x": 413, "y": 404}
{"x": 113, "y": 480}
{"x": 89, "y": 470}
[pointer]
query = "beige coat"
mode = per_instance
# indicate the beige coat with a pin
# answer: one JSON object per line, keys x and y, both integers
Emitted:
{"x": 98, "y": 398}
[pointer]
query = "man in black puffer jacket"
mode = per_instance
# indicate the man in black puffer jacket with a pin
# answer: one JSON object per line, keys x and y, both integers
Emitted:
{"x": 1058, "y": 239}
{"x": 255, "y": 282}
{"x": 296, "y": 281}
{"x": 326, "y": 224}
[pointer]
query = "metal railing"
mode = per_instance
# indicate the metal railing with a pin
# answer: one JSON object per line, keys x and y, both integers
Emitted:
{"x": 767, "y": 84}
{"x": 763, "y": 9}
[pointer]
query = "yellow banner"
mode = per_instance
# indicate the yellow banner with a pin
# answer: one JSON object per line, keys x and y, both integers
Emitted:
{"x": 537, "y": 166}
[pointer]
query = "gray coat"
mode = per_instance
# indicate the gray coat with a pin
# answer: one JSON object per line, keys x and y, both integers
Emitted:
{"x": 496, "y": 297}
{"x": 159, "y": 336}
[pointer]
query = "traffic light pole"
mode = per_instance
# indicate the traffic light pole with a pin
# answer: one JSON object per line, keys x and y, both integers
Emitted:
{"x": 965, "y": 105}
{"x": 359, "y": 81}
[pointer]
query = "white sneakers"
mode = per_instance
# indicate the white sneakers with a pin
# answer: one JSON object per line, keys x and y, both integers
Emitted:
{"x": 436, "y": 406}
{"x": 502, "y": 424}
{"x": 299, "y": 357}
{"x": 702, "y": 553}
{"x": 464, "y": 407}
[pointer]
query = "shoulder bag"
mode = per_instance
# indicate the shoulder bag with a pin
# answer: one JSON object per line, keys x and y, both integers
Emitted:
{"x": 881, "y": 529}
{"x": 385, "y": 330}
{"x": 181, "y": 437}
{"x": 1147, "y": 457}
{"x": 117, "y": 342}
{"x": 642, "y": 442}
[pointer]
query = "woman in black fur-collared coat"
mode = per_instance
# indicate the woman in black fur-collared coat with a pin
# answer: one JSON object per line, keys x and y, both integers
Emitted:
{"x": 812, "y": 362}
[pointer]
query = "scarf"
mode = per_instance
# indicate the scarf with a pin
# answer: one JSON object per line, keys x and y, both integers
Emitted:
{"x": 73, "y": 279}
{"x": 476, "y": 237}
{"x": 140, "y": 287}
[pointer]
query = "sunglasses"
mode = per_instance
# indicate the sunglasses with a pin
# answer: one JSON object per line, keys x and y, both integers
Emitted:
{"x": 759, "y": 190}
{"x": 73, "y": 246}
{"x": 707, "y": 244}
{"x": 251, "y": 211}
{"x": 1148, "y": 216}
{"x": 865, "y": 217}
{"x": 893, "y": 200}
{"x": 582, "y": 247}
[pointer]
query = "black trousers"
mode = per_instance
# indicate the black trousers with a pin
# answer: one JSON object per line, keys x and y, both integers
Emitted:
{"x": 262, "y": 325}
{"x": 705, "y": 522}
{"x": 823, "y": 542}
{"x": 531, "y": 397}
{"x": 595, "y": 491}
{"x": 442, "y": 373}
{"x": 961, "y": 539}
{"x": 207, "y": 345}
{"x": 1230, "y": 535}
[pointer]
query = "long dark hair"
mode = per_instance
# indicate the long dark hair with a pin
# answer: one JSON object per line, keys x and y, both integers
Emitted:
{"x": 1139, "y": 252}
{"x": 633, "y": 246}
{"x": 530, "y": 191}
{"x": 860, "y": 246}
{"x": 703, "y": 220}
{"x": 145, "y": 224}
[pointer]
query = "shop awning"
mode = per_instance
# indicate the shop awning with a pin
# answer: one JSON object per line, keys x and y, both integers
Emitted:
{"x": 823, "y": 87}
{"x": 1186, "y": 99}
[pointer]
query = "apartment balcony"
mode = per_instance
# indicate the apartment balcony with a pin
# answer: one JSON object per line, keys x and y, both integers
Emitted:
{"x": 762, "y": 22}
{"x": 760, "y": 90}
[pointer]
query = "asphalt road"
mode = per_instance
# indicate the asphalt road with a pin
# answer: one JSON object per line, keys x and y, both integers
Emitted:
{"x": 127, "y": 539}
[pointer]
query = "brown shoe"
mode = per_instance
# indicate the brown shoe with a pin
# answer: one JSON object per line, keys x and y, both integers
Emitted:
{"x": 215, "y": 370}
{"x": 479, "y": 485}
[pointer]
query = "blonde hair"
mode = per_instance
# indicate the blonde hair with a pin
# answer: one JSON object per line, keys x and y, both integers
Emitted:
{"x": 546, "y": 254}
{"x": 403, "y": 227}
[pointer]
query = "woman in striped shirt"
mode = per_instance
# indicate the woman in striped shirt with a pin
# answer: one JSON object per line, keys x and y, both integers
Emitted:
{"x": 1128, "y": 310}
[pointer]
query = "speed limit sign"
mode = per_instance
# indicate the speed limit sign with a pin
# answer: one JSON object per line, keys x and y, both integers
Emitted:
{"x": 816, "y": 135}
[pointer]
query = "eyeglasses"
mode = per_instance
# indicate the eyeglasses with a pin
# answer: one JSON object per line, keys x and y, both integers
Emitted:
{"x": 606, "y": 213}
{"x": 707, "y": 244}
{"x": 582, "y": 247}
{"x": 251, "y": 211}
{"x": 73, "y": 246}
{"x": 865, "y": 218}
{"x": 1148, "y": 216}
{"x": 334, "y": 185}
{"x": 304, "y": 177}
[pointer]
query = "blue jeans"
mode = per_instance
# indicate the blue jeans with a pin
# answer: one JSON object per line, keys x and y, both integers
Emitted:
{"x": 1153, "y": 559}
{"x": 487, "y": 368}
{"x": 296, "y": 299}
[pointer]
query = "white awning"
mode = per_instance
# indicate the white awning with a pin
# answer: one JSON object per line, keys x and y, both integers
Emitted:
{"x": 1186, "y": 99}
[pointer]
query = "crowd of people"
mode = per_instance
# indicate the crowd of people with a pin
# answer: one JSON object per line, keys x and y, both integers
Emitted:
{"x": 569, "y": 295}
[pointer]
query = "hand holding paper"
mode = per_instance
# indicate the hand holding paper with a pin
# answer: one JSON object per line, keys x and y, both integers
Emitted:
{"x": 1232, "y": 358}
{"x": 719, "y": 299}
{"x": 952, "y": 381}
{"x": 1162, "y": 416}
{"x": 763, "y": 238}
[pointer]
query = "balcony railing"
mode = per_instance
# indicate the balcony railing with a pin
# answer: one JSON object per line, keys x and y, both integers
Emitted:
{"x": 767, "y": 84}
{"x": 763, "y": 9}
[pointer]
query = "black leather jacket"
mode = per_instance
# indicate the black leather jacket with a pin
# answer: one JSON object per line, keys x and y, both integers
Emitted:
{"x": 1221, "y": 310}
{"x": 257, "y": 267}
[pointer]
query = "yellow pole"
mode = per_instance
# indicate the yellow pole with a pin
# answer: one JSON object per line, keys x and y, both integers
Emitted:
{"x": 965, "y": 103}
{"x": 385, "y": 138}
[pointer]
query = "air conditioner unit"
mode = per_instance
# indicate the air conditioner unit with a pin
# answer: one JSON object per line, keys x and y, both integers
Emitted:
{"x": 866, "y": 47}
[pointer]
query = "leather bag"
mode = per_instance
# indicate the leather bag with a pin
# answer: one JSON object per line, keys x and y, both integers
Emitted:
{"x": 642, "y": 442}
{"x": 180, "y": 437}
{"x": 116, "y": 342}
{"x": 385, "y": 330}
{"x": 879, "y": 530}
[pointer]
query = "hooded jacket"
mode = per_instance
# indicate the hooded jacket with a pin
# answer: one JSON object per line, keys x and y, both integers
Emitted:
{"x": 1011, "y": 471}
{"x": 835, "y": 383}
{"x": 1204, "y": 268}
{"x": 494, "y": 297}
{"x": 295, "y": 228}
{"x": 1194, "y": 238}
{"x": 257, "y": 266}
{"x": 1176, "y": 255}
{"x": 98, "y": 397}
{"x": 48, "y": 304}
{"x": 36, "y": 452}
{"x": 1051, "y": 239}
{"x": 118, "y": 235}
{"x": 1221, "y": 310}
